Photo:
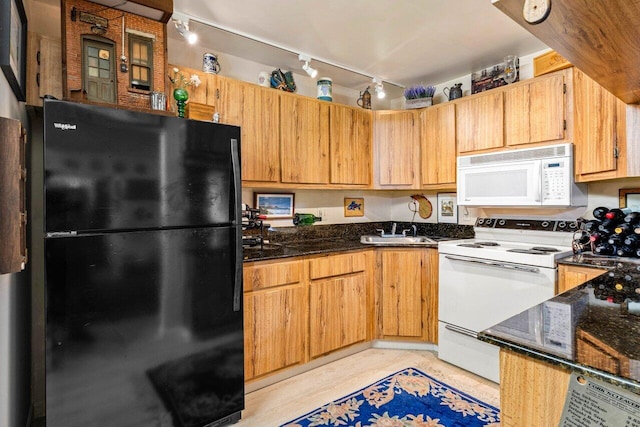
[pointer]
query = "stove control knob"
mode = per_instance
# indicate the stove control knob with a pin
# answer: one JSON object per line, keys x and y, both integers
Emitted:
{"x": 488, "y": 222}
{"x": 480, "y": 221}
{"x": 545, "y": 224}
{"x": 562, "y": 225}
{"x": 573, "y": 225}
{"x": 502, "y": 222}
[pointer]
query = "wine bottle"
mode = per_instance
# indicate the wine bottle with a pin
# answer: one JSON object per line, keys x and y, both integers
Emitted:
{"x": 632, "y": 240}
{"x": 632, "y": 218}
{"x": 623, "y": 229}
{"x": 607, "y": 226}
{"x": 604, "y": 249}
{"x": 598, "y": 237}
{"x": 591, "y": 226}
{"x": 625, "y": 251}
{"x": 305, "y": 219}
{"x": 600, "y": 212}
{"x": 615, "y": 214}
{"x": 616, "y": 240}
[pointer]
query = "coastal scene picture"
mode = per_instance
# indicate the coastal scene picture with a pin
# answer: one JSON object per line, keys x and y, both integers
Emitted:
{"x": 279, "y": 205}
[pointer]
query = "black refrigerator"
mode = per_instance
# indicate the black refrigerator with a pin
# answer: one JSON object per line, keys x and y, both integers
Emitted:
{"x": 143, "y": 269}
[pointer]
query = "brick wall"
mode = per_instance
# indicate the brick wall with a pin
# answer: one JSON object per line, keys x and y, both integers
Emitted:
{"x": 72, "y": 32}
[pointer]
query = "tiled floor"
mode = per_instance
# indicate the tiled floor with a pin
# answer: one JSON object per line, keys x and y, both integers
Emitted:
{"x": 288, "y": 399}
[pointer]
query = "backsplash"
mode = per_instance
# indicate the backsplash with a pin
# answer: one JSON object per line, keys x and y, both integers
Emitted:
{"x": 354, "y": 231}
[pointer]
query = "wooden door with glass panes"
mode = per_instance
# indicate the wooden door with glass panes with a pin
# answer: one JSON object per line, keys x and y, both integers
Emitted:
{"x": 99, "y": 74}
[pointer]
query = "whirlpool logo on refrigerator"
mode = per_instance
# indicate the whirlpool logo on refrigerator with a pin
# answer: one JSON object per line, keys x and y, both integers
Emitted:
{"x": 64, "y": 126}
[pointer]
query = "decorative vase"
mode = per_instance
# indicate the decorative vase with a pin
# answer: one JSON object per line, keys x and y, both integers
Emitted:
{"x": 181, "y": 96}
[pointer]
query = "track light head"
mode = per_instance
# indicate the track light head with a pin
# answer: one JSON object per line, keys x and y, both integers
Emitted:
{"x": 379, "y": 88}
{"x": 182, "y": 26}
{"x": 312, "y": 72}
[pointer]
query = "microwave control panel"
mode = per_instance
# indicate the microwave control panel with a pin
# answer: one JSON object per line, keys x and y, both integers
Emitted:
{"x": 556, "y": 181}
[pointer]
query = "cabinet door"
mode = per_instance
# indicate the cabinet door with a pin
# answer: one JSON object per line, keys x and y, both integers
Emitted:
{"x": 438, "y": 147}
{"x": 304, "y": 144}
{"x": 396, "y": 147}
{"x": 256, "y": 111}
{"x": 570, "y": 276}
{"x": 273, "y": 330}
{"x": 594, "y": 127}
{"x": 479, "y": 123}
{"x": 13, "y": 215}
{"x": 350, "y": 140}
{"x": 402, "y": 293}
{"x": 534, "y": 112}
{"x": 337, "y": 313}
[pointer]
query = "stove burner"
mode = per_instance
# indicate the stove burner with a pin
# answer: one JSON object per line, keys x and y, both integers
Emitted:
{"x": 469, "y": 245}
{"x": 545, "y": 249}
{"x": 531, "y": 251}
{"x": 488, "y": 243}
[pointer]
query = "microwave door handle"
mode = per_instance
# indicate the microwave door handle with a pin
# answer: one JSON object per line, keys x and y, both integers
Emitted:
{"x": 499, "y": 264}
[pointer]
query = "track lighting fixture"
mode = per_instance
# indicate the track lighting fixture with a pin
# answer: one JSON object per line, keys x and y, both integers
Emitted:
{"x": 312, "y": 72}
{"x": 379, "y": 88}
{"x": 182, "y": 26}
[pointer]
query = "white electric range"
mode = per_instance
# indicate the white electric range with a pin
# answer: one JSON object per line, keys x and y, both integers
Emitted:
{"x": 507, "y": 268}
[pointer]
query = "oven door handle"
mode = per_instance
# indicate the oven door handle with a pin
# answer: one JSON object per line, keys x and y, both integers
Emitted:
{"x": 461, "y": 330}
{"x": 498, "y": 264}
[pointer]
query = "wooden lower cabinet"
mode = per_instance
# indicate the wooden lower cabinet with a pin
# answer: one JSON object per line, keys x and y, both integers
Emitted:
{"x": 570, "y": 276}
{"x": 303, "y": 308}
{"x": 338, "y": 313}
{"x": 532, "y": 392}
{"x": 275, "y": 317}
{"x": 340, "y": 297}
{"x": 407, "y": 282}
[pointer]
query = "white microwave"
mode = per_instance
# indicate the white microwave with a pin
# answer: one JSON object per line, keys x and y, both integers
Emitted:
{"x": 533, "y": 177}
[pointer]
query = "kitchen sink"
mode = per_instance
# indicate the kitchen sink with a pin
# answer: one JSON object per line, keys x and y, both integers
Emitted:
{"x": 396, "y": 240}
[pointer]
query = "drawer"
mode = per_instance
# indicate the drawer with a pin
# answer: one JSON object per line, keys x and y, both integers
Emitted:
{"x": 265, "y": 275}
{"x": 336, "y": 265}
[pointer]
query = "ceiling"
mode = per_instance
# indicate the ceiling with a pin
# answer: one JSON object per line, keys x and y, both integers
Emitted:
{"x": 403, "y": 42}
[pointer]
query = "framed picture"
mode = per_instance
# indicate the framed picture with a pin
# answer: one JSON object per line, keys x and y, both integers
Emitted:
{"x": 491, "y": 77}
{"x": 447, "y": 208}
{"x": 353, "y": 206}
{"x": 13, "y": 45}
{"x": 629, "y": 198}
{"x": 275, "y": 205}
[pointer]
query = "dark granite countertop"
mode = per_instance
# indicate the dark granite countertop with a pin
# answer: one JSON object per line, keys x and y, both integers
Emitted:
{"x": 593, "y": 329}
{"x": 286, "y": 242}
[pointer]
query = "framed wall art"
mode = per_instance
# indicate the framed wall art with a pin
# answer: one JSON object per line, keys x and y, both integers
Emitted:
{"x": 353, "y": 206}
{"x": 447, "y": 208}
{"x": 275, "y": 205}
{"x": 13, "y": 45}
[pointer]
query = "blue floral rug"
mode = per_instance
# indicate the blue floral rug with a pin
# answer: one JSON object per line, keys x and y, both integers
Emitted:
{"x": 406, "y": 398}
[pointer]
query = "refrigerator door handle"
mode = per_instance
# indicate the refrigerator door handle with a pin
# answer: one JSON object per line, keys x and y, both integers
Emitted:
{"x": 237, "y": 222}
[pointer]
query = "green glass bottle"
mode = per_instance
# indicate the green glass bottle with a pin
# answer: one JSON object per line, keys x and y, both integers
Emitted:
{"x": 305, "y": 219}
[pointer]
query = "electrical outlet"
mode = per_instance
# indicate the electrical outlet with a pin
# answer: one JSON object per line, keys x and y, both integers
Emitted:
{"x": 321, "y": 213}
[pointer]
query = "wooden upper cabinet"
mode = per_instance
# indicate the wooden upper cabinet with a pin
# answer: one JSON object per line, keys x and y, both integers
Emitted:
{"x": 256, "y": 111}
{"x": 479, "y": 122}
{"x": 534, "y": 112}
{"x": 396, "y": 149}
{"x": 438, "y": 145}
{"x": 595, "y": 127}
{"x": 304, "y": 140}
{"x": 350, "y": 138}
{"x": 44, "y": 69}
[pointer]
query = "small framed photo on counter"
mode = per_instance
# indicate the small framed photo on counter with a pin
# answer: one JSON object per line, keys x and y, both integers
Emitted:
{"x": 447, "y": 208}
{"x": 275, "y": 205}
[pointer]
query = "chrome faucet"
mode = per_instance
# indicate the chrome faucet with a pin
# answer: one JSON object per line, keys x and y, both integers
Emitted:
{"x": 414, "y": 230}
{"x": 393, "y": 229}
